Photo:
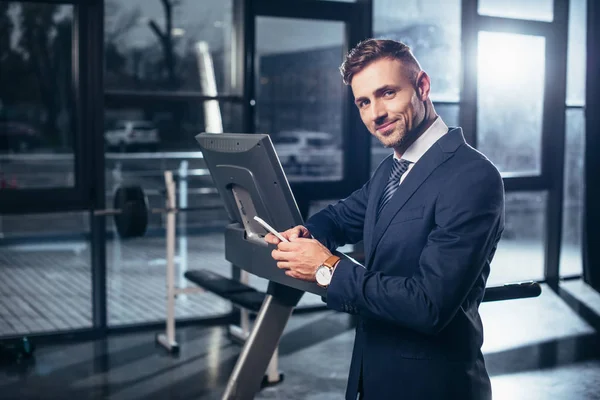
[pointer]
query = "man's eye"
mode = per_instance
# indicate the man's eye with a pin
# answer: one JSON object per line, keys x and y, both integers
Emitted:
{"x": 363, "y": 104}
{"x": 389, "y": 93}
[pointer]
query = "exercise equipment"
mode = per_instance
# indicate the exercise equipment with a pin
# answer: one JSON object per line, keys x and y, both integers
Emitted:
{"x": 512, "y": 291}
{"x": 238, "y": 292}
{"x": 131, "y": 210}
{"x": 167, "y": 339}
{"x": 132, "y": 220}
{"x": 249, "y": 300}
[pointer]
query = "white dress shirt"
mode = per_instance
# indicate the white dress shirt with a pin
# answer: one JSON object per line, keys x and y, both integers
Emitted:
{"x": 423, "y": 143}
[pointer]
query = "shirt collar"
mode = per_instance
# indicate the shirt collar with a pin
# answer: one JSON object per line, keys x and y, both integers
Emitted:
{"x": 420, "y": 146}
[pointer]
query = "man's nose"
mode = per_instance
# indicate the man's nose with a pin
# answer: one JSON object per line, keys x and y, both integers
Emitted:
{"x": 379, "y": 112}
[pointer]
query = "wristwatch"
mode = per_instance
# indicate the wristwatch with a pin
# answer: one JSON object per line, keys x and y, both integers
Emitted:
{"x": 325, "y": 271}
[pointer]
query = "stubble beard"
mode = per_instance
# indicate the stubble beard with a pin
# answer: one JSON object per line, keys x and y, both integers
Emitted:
{"x": 399, "y": 139}
{"x": 402, "y": 139}
{"x": 392, "y": 140}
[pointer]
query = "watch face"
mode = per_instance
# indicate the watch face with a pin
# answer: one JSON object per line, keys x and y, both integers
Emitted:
{"x": 323, "y": 275}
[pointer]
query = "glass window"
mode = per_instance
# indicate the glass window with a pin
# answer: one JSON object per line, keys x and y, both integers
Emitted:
{"x": 166, "y": 46}
{"x": 539, "y": 10}
{"x": 166, "y": 125}
{"x": 136, "y": 277}
{"x": 571, "y": 262}
{"x": 169, "y": 144}
{"x": 510, "y": 93}
{"x": 285, "y": 139}
{"x": 449, "y": 113}
{"x": 300, "y": 94}
{"x": 576, "y": 53}
{"x": 120, "y": 125}
{"x": 142, "y": 126}
{"x": 432, "y": 30}
{"x": 319, "y": 141}
{"x": 140, "y": 262}
{"x": 37, "y": 120}
{"x": 44, "y": 225}
{"x": 169, "y": 129}
{"x": 196, "y": 55}
{"x": 45, "y": 273}
{"x": 520, "y": 253}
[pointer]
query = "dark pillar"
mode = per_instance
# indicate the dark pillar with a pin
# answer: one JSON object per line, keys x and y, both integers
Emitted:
{"x": 591, "y": 234}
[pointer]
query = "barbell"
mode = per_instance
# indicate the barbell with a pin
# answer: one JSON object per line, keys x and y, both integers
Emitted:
{"x": 130, "y": 211}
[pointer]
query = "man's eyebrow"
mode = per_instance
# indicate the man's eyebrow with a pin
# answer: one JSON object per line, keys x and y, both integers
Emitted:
{"x": 384, "y": 88}
{"x": 359, "y": 99}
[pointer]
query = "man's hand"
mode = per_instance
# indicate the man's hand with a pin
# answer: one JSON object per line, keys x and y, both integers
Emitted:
{"x": 300, "y": 257}
{"x": 298, "y": 231}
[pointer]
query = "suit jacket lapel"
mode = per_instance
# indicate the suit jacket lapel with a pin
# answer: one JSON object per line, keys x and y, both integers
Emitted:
{"x": 432, "y": 159}
{"x": 377, "y": 185}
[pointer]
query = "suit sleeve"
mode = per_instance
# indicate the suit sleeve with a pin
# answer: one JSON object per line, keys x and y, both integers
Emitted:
{"x": 469, "y": 219}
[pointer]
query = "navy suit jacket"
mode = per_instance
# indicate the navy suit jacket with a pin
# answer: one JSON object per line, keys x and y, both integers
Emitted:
{"x": 427, "y": 259}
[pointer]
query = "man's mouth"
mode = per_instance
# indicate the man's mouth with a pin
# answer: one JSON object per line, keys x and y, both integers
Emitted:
{"x": 385, "y": 128}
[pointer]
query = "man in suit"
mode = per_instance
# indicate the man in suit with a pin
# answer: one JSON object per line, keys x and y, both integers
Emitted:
{"x": 430, "y": 217}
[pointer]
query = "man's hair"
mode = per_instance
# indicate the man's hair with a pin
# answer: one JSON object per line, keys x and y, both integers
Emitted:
{"x": 371, "y": 50}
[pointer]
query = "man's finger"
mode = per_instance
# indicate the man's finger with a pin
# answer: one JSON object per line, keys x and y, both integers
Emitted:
{"x": 291, "y": 273}
{"x": 303, "y": 240}
{"x": 283, "y": 265}
{"x": 297, "y": 231}
{"x": 287, "y": 246}
{"x": 278, "y": 255}
{"x": 271, "y": 239}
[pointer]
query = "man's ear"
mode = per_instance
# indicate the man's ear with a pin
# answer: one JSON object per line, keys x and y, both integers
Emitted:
{"x": 423, "y": 85}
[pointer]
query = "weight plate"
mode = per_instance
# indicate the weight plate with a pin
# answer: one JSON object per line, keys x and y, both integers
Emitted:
{"x": 133, "y": 220}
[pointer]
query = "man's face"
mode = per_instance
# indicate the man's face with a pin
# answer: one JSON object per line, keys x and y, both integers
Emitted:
{"x": 389, "y": 105}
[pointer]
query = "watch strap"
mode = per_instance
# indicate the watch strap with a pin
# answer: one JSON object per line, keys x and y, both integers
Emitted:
{"x": 331, "y": 261}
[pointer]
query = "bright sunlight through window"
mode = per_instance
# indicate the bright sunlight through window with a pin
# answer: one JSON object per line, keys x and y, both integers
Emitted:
{"x": 507, "y": 61}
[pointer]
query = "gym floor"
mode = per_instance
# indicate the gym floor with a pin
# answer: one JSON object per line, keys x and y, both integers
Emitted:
{"x": 47, "y": 286}
{"x": 542, "y": 348}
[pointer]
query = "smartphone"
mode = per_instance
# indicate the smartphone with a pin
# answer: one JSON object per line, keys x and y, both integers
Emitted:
{"x": 270, "y": 229}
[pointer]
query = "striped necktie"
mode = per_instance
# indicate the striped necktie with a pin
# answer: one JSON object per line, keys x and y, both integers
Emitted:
{"x": 399, "y": 168}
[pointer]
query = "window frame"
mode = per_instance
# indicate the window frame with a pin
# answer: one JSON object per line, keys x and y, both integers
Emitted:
{"x": 553, "y": 118}
{"x": 79, "y": 197}
{"x": 355, "y": 138}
